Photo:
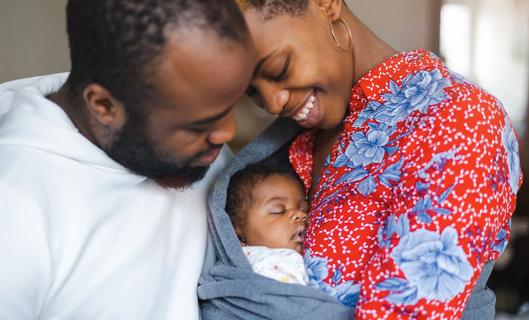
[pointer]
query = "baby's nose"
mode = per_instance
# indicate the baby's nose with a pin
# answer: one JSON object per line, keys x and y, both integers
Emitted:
{"x": 299, "y": 216}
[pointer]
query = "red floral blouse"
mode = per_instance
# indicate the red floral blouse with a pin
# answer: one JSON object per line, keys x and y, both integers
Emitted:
{"x": 416, "y": 194}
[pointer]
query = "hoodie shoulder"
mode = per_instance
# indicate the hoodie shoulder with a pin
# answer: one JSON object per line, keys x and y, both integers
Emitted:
{"x": 44, "y": 84}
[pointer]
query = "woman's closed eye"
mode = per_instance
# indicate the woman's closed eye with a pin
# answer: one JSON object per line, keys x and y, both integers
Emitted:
{"x": 282, "y": 74}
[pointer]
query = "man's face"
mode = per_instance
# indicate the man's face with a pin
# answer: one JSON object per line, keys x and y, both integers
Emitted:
{"x": 176, "y": 136}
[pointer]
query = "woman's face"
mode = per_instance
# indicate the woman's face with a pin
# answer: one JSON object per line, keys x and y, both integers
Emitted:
{"x": 301, "y": 73}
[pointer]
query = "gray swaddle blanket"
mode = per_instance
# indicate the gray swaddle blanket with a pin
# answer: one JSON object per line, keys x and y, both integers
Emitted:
{"x": 231, "y": 290}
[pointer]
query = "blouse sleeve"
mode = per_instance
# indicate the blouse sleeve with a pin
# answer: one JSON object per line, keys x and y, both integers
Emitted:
{"x": 450, "y": 213}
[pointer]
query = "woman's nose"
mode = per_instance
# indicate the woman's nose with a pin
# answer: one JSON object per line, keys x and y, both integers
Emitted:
{"x": 272, "y": 98}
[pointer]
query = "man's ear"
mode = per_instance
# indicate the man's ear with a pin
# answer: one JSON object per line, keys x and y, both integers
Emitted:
{"x": 104, "y": 107}
{"x": 332, "y": 9}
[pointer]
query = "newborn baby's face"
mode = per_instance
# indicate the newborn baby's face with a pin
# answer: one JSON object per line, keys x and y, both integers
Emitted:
{"x": 277, "y": 217}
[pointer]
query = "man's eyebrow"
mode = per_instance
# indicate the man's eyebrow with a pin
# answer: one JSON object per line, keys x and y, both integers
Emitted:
{"x": 261, "y": 62}
{"x": 211, "y": 119}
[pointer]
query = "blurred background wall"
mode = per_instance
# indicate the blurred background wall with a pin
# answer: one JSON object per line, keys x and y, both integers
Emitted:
{"x": 32, "y": 38}
{"x": 485, "y": 40}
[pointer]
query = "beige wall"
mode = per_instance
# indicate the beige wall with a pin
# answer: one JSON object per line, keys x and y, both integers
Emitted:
{"x": 32, "y": 38}
{"x": 404, "y": 24}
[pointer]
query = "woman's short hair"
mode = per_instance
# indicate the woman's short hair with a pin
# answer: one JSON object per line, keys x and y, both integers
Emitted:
{"x": 273, "y": 8}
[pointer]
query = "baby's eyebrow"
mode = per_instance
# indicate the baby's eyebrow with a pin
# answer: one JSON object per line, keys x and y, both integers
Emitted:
{"x": 276, "y": 198}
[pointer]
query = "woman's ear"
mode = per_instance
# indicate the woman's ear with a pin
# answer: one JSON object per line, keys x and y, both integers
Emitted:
{"x": 332, "y": 9}
{"x": 104, "y": 107}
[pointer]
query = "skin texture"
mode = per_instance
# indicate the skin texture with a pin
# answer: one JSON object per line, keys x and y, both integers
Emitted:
{"x": 191, "y": 115}
{"x": 277, "y": 215}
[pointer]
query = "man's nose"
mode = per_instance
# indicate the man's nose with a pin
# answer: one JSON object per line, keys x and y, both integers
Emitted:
{"x": 224, "y": 130}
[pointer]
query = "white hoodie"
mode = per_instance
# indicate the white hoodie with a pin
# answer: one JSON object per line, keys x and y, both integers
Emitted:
{"x": 81, "y": 237}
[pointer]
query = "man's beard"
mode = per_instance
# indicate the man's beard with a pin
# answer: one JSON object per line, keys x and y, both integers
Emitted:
{"x": 133, "y": 149}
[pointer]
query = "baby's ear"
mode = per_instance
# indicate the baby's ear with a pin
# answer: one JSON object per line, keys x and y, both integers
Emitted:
{"x": 240, "y": 235}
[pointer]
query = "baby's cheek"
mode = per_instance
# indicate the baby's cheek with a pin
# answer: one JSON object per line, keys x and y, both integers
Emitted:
{"x": 278, "y": 238}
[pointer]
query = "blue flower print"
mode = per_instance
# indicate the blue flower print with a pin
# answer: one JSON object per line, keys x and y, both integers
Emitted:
{"x": 513, "y": 155}
{"x": 401, "y": 293}
{"x": 374, "y": 110}
{"x": 391, "y": 174}
{"x": 347, "y": 292}
{"x": 418, "y": 92}
{"x": 500, "y": 243}
{"x": 433, "y": 263}
{"x": 371, "y": 147}
{"x": 425, "y": 205}
{"x": 390, "y": 227}
{"x": 316, "y": 268}
{"x": 365, "y": 149}
{"x": 425, "y": 89}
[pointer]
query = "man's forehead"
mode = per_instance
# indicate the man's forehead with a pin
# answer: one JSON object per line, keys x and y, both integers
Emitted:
{"x": 194, "y": 37}
{"x": 202, "y": 60}
{"x": 199, "y": 70}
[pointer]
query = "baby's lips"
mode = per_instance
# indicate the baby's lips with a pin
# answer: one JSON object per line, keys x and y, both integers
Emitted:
{"x": 299, "y": 235}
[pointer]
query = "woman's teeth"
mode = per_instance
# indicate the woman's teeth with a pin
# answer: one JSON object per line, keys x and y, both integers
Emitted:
{"x": 305, "y": 111}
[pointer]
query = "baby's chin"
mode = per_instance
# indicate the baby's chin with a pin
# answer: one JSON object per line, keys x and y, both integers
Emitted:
{"x": 297, "y": 246}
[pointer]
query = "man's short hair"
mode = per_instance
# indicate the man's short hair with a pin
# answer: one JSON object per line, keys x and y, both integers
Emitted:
{"x": 116, "y": 43}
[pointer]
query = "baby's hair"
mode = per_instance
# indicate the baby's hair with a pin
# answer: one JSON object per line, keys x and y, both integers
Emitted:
{"x": 240, "y": 190}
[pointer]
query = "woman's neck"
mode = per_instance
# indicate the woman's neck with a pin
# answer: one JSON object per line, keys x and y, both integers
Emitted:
{"x": 368, "y": 50}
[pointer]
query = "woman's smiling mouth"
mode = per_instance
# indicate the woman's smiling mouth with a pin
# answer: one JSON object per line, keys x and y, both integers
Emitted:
{"x": 304, "y": 113}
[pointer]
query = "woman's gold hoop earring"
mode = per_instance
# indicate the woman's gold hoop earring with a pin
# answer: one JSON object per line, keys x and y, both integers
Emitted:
{"x": 335, "y": 38}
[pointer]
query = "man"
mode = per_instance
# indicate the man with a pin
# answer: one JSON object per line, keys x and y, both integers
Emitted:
{"x": 101, "y": 212}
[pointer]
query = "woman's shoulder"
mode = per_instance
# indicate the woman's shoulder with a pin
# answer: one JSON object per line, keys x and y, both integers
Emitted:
{"x": 469, "y": 100}
{"x": 454, "y": 106}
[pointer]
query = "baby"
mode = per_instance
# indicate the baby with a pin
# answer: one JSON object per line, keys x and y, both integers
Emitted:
{"x": 268, "y": 210}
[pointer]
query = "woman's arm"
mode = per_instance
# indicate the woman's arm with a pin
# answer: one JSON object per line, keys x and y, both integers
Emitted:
{"x": 450, "y": 214}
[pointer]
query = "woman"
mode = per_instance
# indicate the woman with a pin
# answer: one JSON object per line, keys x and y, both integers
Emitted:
{"x": 412, "y": 172}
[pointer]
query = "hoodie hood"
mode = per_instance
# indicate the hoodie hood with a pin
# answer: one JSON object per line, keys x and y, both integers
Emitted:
{"x": 29, "y": 119}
